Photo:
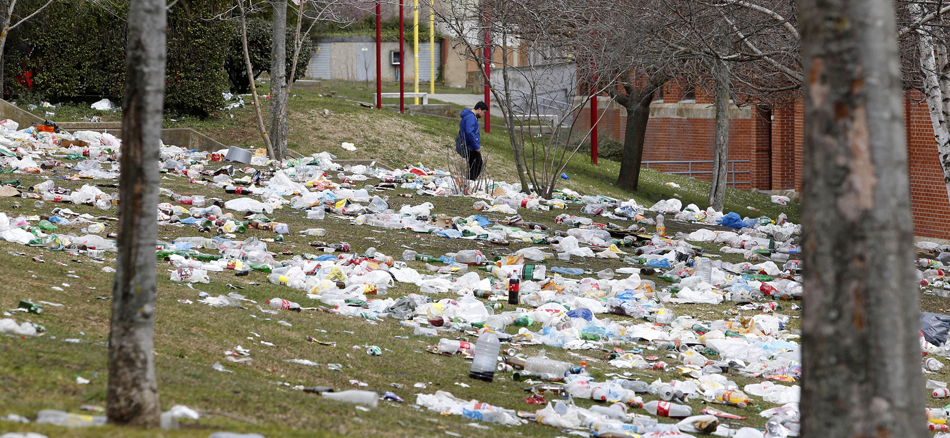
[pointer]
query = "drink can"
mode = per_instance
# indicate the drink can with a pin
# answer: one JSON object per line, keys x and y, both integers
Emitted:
{"x": 373, "y": 350}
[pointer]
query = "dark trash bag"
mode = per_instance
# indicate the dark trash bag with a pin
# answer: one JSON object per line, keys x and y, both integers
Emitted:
{"x": 934, "y": 327}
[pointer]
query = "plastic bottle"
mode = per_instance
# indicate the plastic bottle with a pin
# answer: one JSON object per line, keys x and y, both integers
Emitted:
{"x": 660, "y": 225}
{"x": 314, "y": 232}
{"x": 451, "y": 346}
{"x": 46, "y": 225}
{"x": 667, "y": 393}
{"x": 616, "y": 411}
{"x": 541, "y": 365}
{"x": 281, "y": 304}
{"x": 470, "y": 257}
{"x": 425, "y": 331}
{"x": 615, "y": 429}
{"x": 368, "y": 398}
{"x": 317, "y": 213}
{"x": 733, "y": 398}
{"x": 486, "y": 354}
{"x": 60, "y": 418}
{"x": 667, "y": 409}
{"x": 635, "y": 386}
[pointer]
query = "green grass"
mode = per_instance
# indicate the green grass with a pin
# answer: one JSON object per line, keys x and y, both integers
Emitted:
{"x": 40, "y": 373}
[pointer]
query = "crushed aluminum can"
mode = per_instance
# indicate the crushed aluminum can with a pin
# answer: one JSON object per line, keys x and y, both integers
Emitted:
{"x": 373, "y": 350}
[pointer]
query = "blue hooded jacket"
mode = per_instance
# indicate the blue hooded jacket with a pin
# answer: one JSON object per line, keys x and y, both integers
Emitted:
{"x": 469, "y": 128}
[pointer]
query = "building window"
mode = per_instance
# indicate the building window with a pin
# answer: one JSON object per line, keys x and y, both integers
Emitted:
{"x": 690, "y": 94}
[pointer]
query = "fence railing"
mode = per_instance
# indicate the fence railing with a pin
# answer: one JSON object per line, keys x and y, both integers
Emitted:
{"x": 694, "y": 168}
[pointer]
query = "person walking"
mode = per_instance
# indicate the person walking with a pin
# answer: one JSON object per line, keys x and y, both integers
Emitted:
{"x": 469, "y": 129}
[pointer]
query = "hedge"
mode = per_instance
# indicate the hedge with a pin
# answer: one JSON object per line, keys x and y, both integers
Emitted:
{"x": 75, "y": 51}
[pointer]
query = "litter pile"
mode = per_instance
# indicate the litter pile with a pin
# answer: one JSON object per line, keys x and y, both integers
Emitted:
{"x": 623, "y": 312}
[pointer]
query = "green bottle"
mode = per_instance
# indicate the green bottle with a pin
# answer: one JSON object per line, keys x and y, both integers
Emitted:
{"x": 263, "y": 267}
{"x": 205, "y": 257}
{"x": 523, "y": 321}
{"x": 160, "y": 255}
{"x": 46, "y": 225}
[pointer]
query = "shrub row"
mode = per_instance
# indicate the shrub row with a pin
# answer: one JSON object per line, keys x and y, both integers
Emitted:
{"x": 75, "y": 51}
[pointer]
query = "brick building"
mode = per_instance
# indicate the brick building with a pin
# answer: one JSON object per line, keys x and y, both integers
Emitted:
{"x": 765, "y": 147}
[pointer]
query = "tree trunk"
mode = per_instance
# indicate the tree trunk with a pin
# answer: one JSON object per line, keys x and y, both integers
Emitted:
{"x": 251, "y": 77}
{"x": 717, "y": 192}
{"x": 860, "y": 350}
{"x": 935, "y": 95}
{"x": 638, "y": 114}
{"x": 5, "y": 12}
{"x": 132, "y": 396}
{"x": 278, "y": 79}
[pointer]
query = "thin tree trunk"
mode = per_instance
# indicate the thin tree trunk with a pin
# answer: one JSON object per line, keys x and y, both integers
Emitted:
{"x": 860, "y": 350}
{"x": 278, "y": 78}
{"x": 132, "y": 396}
{"x": 638, "y": 114}
{"x": 6, "y": 11}
{"x": 250, "y": 77}
{"x": 935, "y": 96}
{"x": 717, "y": 192}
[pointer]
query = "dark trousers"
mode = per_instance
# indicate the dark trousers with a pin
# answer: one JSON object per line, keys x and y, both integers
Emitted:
{"x": 474, "y": 164}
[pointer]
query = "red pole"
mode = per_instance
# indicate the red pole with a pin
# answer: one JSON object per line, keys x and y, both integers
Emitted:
{"x": 487, "y": 75}
{"x": 402, "y": 82}
{"x": 379, "y": 58}
{"x": 593, "y": 133}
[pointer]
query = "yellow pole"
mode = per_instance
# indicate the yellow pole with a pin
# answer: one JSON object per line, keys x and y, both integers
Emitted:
{"x": 431, "y": 51}
{"x": 415, "y": 42}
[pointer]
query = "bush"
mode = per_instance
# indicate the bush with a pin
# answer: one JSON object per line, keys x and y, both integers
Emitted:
{"x": 259, "y": 36}
{"x": 75, "y": 51}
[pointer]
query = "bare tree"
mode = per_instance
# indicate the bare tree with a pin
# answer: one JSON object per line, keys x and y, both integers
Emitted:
{"x": 518, "y": 29}
{"x": 860, "y": 351}
{"x": 927, "y": 27}
{"x": 132, "y": 396}
{"x": 751, "y": 37}
{"x": 341, "y": 12}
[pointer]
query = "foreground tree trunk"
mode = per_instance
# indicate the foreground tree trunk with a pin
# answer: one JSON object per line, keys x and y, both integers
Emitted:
{"x": 860, "y": 350}
{"x": 132, "y": 396}
{"x": 637, "y": 104}
{"x": 717, "y": 191}
{"x": 278, "y": 79}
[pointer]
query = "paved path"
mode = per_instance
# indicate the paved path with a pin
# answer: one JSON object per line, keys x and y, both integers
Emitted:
{"x": 466, "y": 100}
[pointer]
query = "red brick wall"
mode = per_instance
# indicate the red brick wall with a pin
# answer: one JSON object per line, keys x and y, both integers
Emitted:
{"x": 773, "y": 142}
{"x": 681, "y": 139}
{"x": 928, "y": 192}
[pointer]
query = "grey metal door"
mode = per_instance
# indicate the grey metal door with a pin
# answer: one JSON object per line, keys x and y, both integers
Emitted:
{"x": 425, "y": 65}
{"x": 366, "y": 62}
{"x": 320, "y": 62}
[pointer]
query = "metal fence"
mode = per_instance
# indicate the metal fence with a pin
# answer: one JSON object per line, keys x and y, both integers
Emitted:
{"x": 692, "y": 168}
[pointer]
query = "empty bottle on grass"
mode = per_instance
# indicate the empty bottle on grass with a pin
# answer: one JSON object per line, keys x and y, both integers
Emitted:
{"x": 667, "y": 409}
{"x": 282, "y": 304}
{"x": 368, "y": 398}
{"x": 486, "y": 354}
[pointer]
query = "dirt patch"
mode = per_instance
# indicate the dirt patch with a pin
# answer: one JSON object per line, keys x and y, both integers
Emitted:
{"x": 392, "y": 141}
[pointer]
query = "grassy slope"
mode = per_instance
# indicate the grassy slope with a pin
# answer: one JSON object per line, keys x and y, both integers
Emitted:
{"x": 39, "y": 373}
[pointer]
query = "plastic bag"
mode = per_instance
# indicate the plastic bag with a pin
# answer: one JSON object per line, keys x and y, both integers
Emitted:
{"x": 732, "y": 220}
{"x": 934, "y": 326}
